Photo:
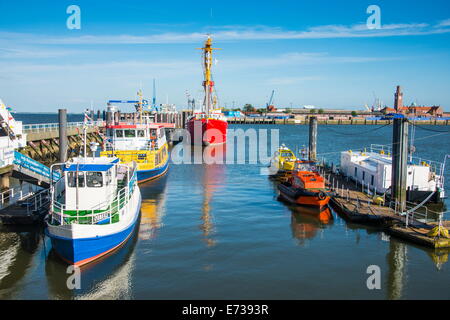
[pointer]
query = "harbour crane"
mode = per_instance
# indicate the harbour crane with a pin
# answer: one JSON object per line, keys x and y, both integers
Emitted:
{"x": 271, "y": 99}
{"x": 154, "y": 96}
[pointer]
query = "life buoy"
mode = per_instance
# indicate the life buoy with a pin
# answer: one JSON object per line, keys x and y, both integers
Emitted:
{"x": 322, "y": 195}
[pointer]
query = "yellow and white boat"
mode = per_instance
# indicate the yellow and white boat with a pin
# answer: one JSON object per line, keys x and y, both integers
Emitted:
{"x": 283, "y": 161}
{"x": 144, "y": 144}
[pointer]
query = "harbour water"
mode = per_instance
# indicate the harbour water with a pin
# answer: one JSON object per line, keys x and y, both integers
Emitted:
{"x": 219, "y": 232}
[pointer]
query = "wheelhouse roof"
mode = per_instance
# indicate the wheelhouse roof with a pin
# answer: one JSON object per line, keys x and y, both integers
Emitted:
{"x": 135, "y": 126}
{"x": 102, "y": 165}
{"x": 89, "y": 167}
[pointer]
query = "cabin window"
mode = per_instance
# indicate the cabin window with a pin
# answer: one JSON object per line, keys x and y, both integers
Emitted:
{"x": 153, "y": 133}
{"x": 364, "y": 175}
{"x": 72, "y": 179}
{"x": 119, "y": 133}
{"x": 94, "y": 179}
{"x": 130, "y": 133}
{"x": 108, "y": 177}
{"x": 356, "y": 172}
{"x": 141, "y": 133}
{"x": 372, "y": 180}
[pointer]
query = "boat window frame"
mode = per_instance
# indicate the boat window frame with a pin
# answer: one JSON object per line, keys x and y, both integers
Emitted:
{"x": 71, "y": 178}
{"x": 108, "y": 177}
{"x": 129, "y": 130}
{"x": 142, "y": 131}
{"x": 116, "y": 131}
{"x": 88, "y": 173}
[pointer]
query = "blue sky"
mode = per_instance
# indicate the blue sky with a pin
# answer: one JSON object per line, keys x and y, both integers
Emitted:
{"x": 310, "y": 52}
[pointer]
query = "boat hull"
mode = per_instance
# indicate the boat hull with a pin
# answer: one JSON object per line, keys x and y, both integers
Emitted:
{"x": 303, "y": 197}
{"x": 148, "y": 175}
{"x": 207, "y": 131}
{"x": 80, "y": 250}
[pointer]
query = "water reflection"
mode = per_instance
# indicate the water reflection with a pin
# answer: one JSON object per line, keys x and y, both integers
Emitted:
{"x": 213, "y": 179}
{"x": 397, "y": 259}
{"x": 17, "y": 248}
{"x": 439, "y": 257}
{"x": 153, "y": 207}
{"x": 307, "y": 221}
{"x": 108, "y": 278}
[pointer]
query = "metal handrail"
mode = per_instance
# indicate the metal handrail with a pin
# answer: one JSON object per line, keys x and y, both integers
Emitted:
{"x": 7, "y": 197}
{"x": 38, "y": 127}
{"x": 116, "y": 204}
{"x": 37, "y": 201}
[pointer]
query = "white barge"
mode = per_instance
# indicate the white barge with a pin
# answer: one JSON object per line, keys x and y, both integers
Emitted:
{"x": 373, "y": 169}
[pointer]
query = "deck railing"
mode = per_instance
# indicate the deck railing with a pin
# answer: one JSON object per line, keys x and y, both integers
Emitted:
{"x": 14, "y": 195}
{"x": 59, "y": 215}
{"x": 45, "y": 127}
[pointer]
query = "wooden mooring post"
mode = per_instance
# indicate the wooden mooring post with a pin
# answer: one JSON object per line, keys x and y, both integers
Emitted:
{"x": 62, "y": 113}
{"x": 399, "y": 162}
{"x": 312, "y": 139}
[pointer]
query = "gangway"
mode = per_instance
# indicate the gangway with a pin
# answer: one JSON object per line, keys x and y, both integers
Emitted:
{"x": 32, "y": 171}
{"x": 27, "y": 211}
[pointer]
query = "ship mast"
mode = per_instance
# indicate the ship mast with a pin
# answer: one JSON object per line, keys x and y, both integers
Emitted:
{"x": 208, "y": 84}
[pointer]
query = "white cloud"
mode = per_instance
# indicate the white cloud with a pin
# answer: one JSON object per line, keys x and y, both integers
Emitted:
{"x": 444, "y": 23}
{"x": 235, "y": 33}
{"x": 35, "y": 53}
{"x": 283, "y": 81}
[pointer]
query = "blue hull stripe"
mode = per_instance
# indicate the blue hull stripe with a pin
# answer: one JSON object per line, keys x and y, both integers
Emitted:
{"x": 76, "y": 250}
{"x": 144, "y": 175}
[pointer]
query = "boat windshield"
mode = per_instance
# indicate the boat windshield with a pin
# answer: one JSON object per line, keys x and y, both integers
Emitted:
{"x": 75, "y": 179}
{"x": 287, "y": 154}
{"x": 94, "y": 179}
{"x": 305, "y": 166}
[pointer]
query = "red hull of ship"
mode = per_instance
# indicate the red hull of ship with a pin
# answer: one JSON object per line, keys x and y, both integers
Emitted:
{"x": 207, "y": 131}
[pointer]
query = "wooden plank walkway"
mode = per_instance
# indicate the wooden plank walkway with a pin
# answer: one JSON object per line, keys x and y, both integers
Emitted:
{"x": 358, "y": 207}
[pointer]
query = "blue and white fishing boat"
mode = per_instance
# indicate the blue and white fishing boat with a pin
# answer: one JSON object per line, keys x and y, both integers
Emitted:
{"x": 94, "y": 208}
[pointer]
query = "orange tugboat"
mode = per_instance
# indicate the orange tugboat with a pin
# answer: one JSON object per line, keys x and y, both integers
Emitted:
{"x": 306, "y": 186}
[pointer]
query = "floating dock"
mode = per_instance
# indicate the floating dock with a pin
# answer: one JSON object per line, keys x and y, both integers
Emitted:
{"x": 355, "y": 205}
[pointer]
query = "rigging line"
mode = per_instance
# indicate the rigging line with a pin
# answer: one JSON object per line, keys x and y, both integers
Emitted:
{"x": 427, "y": 129}
{"x": 388, "y": 145}
{"x": 356, "y": 133}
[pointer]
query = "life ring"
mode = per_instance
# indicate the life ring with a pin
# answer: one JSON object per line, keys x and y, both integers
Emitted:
{"x": 322, "y": 195}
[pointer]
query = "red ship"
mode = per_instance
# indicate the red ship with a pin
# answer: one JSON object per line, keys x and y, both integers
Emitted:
{"x": 209, "y": 125}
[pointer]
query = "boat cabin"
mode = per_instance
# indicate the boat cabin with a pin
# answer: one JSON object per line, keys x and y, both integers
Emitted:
{"x": 213, "y": 114}
{"x": 136, "y": 136}
{"x": 89, "y": 183}
{"x": 374, "y": 169}
{"x": 305, "y": 165}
